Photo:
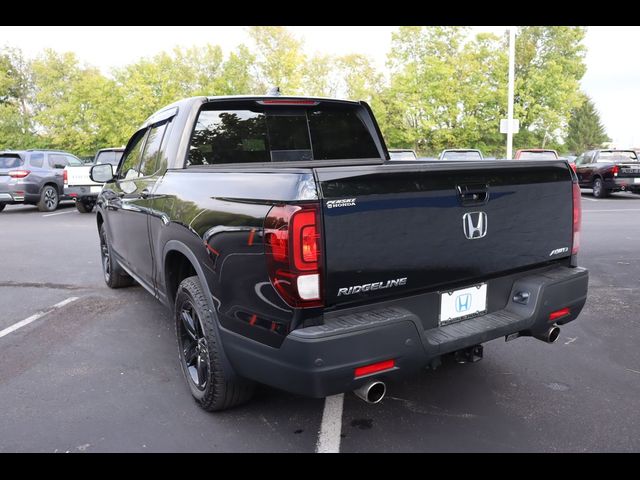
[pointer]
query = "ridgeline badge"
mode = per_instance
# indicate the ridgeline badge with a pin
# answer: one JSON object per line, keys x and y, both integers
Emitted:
{"x": 372, "y": 286}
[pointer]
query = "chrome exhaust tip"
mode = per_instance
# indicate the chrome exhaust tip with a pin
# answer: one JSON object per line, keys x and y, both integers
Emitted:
{"x": 550, "y": 336}
{"x": 372, "y": 392}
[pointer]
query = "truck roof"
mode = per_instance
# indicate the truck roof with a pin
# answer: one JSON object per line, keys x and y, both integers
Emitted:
{"x": 275, "y": 99}
{"x": 172, "y": 109}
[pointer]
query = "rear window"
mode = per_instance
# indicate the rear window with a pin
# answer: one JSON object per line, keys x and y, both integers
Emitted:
{"x": 402, "y": 155}
{"x": 280, "y": 134}
{"x": 73, "y": 161}
{"x": 10, "y": 161}
{"x": 461, "y": 156}
{"x": 628, "y": 156}
{"x": 538, "y": 156}
{"x": 111, "y": 157}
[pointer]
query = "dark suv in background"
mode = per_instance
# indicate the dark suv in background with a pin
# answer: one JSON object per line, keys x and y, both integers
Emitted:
{"x": 34, "y": 177}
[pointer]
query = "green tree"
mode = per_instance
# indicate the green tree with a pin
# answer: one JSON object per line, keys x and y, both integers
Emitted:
{"x": 549, "y": 66}
{"x": 16, "y": 117}
{"x": 236, "y": 77}
{"x": 359, "y": 76}
{"x": 75, "y": 107}
{"x": 585, "y": 129}
{"x": 152, "y": 83}
{"x": 319, "y": 76}
{"x": 445, "y": 90}
{"x": 280, "y": 60}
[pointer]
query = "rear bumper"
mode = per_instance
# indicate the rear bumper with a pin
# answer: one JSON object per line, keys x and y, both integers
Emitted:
{"x": 624, "y": 183}
{"x": 17, "y": 191}
{"x": 6, "y": 197}
{"x": 23, "y": 190}
{"x": 319, "y": 361}
{"x": 81, "y": 192}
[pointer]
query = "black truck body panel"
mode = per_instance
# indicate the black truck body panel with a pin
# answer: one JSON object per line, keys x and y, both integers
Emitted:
{"x": 395, "y": 228}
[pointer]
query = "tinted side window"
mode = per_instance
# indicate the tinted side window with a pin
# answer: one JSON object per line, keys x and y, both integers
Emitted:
{"x": 129, "y": 167}
{"x": 36, "y": 160}
{"x": 149, "y": 163}
{"x": 588, "y": 157}
{"x": 57, "y": 160}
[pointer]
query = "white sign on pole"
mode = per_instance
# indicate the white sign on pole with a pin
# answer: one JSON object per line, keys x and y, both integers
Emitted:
{"x": 504, "y": 126}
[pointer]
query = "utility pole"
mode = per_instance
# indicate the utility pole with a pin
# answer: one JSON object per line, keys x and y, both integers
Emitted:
{"x": 512, "y": 56}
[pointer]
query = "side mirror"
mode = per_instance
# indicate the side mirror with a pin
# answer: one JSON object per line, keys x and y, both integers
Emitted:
{"x": 102, "y": 173}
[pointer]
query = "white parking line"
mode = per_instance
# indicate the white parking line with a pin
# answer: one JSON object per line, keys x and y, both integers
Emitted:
{"x": 36, "y": 316}
{"x": 331, "y": 427}
{"x": 58, "y": 213}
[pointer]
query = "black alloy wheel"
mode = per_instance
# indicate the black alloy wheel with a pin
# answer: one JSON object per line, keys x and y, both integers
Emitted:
{"x": 193, "y": 346}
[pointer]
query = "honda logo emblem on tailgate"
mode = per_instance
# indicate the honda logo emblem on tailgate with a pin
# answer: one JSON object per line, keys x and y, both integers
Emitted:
{"x": 474, "y": 225}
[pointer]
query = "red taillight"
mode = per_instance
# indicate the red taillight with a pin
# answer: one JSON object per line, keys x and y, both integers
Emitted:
{"x": 18, "y": 173}
{"x": 573, "y": 167}
{"x": 293, "y": 249}
{"x": 559, "y": 314}
{"x": 615, "y": 170}
{"x": 374, "y": 368}
{"x": 305, "y": 240}
{"x": 65, "y": 177}
{"x": 577, "y": 218}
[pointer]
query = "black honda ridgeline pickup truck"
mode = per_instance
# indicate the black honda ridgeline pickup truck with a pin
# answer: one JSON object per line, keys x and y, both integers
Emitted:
{"x": 293, "y": 254}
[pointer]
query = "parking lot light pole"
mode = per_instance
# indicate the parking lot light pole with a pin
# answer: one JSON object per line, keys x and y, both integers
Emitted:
{"x": 512, "y": 55}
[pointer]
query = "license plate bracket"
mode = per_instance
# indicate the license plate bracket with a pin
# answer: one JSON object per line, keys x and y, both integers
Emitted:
{"x": 463, "y": 303}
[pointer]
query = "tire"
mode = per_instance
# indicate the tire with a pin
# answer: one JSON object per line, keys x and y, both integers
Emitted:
{"x": 84, "y": 207}
{"x": 199, "y": 353}
{"x": 114, "y": 274}
{"x": 49, "y": 199}
{"x": 598, "y": 189}
{"x": 2, "y": 205}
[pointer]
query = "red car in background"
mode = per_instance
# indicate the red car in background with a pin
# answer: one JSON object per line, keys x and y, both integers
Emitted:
{"x": 540, "y": 154}
{"x": 535, "y": 154}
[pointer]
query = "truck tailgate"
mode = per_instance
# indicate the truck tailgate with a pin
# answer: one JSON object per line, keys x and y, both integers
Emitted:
{"x": 390, "y": 229}
{"x": 79, "y": 176}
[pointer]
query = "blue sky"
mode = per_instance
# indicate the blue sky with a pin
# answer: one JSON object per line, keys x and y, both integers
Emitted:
{"x": 612, "y": 78}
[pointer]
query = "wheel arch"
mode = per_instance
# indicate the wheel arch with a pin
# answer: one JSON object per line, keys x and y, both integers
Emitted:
{"x": 50, "y": 183}
{"x": 178, "y": 252}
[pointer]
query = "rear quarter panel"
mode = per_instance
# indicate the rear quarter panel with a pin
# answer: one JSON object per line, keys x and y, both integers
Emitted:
{"x": 219, "y": 216}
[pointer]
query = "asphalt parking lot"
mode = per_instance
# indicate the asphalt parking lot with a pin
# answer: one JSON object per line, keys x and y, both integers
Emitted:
{"x": 97, "y": 370}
